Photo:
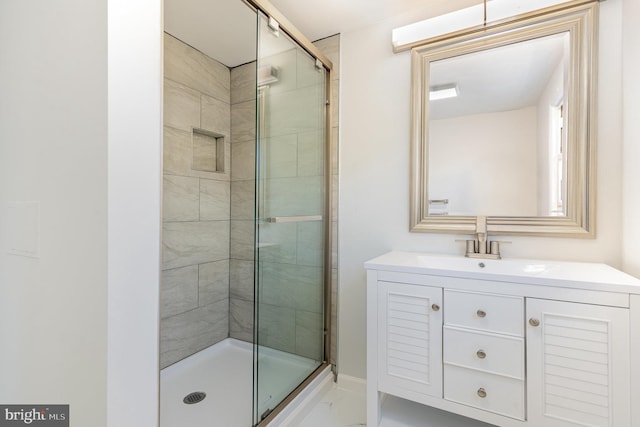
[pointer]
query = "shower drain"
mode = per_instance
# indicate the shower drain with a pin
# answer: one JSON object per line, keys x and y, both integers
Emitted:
{"x": 195, "y": 397}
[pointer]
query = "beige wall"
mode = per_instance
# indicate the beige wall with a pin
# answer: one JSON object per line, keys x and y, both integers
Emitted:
{"x": 374, "y": 193}
{"x": 494, "y": 146}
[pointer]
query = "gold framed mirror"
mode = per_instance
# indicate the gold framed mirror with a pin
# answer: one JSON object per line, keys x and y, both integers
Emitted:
{"x": 504, "y": 126}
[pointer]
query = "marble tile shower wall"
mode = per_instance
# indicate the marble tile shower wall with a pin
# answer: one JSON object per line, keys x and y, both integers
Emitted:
{"x": 243, "y": 143}
{"x": 291, "y": 278}
{"x": 196, "y": 205}
{"x": 207, "y": 283}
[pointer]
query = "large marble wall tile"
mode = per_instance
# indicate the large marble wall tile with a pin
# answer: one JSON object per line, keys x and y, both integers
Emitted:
{"x": 180, "y": 198}
{"x": 186, "y": 333}
{"x": 330, "y": 46}
{"x": 281, "y": 156}
{"x": 243, "y": 199}
{"x": 215, "y": 116}
{"x": 241, "y": 319}
{"x": 177, "y": 152}
{"x": 215, "y": 200}
{"x": 295, "y": 196}
{"x": 294, "y": 286}
{"x": 309, "y": 335}
{"x": 296, "y": 111}
{"x": 243, "y": 83}
{"x": 243, "y": 157}
{"x": 241, "y": 279}
{"x": 242, "y": 239}
{"x": 277, "y": 242}
{"x": 310, "y": 243}
{"x": 311, "y": 153}
{"x": 178, "y": 290}
{"x": 307, "y": 73}
{"x": 190, "y": 67}
{"x": 277, "y": 327}
{"x": 189, "y": 243}
{"x": 286, "y": 64}
{"x": 243, "y": 121}
{"x": 181, "y": 106}
{"x": 213, "y": 282}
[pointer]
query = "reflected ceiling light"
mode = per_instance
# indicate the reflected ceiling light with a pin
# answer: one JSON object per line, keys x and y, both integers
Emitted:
{"x": 443, "y": 92}
{"x": 404, "y": 38}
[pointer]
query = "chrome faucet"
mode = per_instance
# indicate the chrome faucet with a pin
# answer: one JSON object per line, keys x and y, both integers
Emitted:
{"x": 480, "y": 247}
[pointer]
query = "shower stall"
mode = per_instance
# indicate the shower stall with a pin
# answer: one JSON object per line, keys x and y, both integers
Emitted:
{"x": 245, "y": 295}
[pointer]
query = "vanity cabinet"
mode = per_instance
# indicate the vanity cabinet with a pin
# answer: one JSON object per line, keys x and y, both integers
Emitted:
{"x": 578, "y": 365}
{"x": 503, "y": 348}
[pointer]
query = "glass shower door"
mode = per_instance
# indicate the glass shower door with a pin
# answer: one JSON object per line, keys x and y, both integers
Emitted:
{"x": 290, "y": 218}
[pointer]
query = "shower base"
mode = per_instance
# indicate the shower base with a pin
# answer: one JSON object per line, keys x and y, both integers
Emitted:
{"x": 224, "y": 372}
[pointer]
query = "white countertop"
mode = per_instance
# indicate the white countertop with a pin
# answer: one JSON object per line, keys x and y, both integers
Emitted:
{"x": 535, "y": 272}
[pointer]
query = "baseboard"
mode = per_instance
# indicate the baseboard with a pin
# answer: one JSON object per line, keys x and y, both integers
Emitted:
{"x": 354, "y": 384}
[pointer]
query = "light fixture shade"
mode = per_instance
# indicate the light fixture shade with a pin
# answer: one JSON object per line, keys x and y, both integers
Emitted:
{"x": 404, "y": 38}
{"x": 443, "y": 92}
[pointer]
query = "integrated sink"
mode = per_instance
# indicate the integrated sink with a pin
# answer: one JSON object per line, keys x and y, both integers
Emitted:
{"x": 504, "y": 266}
{"x": 537, "y": 272}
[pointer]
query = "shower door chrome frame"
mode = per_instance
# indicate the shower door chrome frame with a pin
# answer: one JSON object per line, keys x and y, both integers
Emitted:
{"x": 285, "y": 25}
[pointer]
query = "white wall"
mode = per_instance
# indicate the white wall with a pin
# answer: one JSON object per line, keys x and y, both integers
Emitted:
{"x": 78, "y": 325}
{"x": 53, "y": 143}
{"x": 374, "y": 188}
{"x": 135, "y": 37}
{"x": 631, "y": 129}
{"x": 495, "y": 170}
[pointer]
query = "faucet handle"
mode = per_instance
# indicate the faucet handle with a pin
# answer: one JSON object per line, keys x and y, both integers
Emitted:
{"x": 494, "y": 246}
{"x": 470, "y": 245}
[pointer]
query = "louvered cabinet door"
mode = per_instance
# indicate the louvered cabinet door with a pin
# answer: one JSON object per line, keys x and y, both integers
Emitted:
{"x": 410, "y": 340}
{"x": 578, "y": 365}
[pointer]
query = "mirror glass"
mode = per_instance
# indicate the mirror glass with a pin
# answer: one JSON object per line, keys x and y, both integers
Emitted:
{"x": 502, "y": 122}
{"x": 503, "y": 126}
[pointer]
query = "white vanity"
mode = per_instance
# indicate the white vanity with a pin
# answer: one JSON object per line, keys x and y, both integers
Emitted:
{"x": 508, "y": 342}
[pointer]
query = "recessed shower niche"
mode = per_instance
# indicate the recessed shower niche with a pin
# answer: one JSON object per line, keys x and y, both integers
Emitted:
{"x": 208, "y": 151}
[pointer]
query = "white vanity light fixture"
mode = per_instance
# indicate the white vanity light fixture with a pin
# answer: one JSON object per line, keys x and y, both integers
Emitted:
{"x": 443, "y": 92}
{"x": 404, "y": 38}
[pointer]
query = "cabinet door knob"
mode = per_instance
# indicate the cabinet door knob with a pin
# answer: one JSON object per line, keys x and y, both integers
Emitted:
{"x": 482, "y": 393}
{"x": 435, "y": 307}
{"x": 534, "y": 322}
{"x": 481, "y": 313}
{"x": 481, "y": 354}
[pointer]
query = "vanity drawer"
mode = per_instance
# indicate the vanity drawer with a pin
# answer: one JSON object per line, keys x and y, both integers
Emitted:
{"x": 486, "y": 312}
{"x": 493, "y": 393}
{"x": 491, "y": 353}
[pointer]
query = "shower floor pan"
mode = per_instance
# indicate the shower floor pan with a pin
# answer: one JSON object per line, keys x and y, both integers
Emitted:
{"x": 224, "y": 372}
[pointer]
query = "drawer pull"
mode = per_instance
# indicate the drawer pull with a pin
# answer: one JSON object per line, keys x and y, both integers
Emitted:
{"x": 481, "y": 313}
{"x": 435, "y": 307}
{"x": 482, "y": 393}
{"x": 534, "y": 322}
{"x": 481, "y": 354}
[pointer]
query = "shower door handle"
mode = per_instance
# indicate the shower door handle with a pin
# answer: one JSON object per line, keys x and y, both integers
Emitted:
{"x": 305, "y": 218}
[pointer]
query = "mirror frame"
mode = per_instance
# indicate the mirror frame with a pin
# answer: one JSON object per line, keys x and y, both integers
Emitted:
{"x": 581, "y": 22}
